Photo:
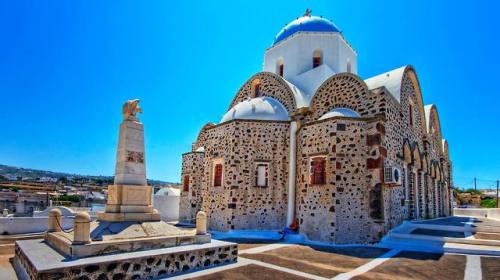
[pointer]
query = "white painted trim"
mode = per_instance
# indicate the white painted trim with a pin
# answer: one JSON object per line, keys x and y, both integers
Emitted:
{"x": 468, "y": 225}
{"x": 473, "y": 270}
{"x": 368, "y": 266}
{"x": 287, "y": 270}
{"x": 292, "y": 165}
{"x": 264, "y": 248}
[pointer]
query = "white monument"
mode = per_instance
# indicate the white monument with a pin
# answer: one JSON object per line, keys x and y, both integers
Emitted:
{"x": 129, "y": 198}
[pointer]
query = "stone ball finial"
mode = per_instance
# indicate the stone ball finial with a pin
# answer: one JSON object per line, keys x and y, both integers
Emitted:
{"x": 201, "y": 223}
{"x": 81, "y": 232}
{"x": 82, "y": 217}
{"x": 55, "y": 220}
{"x": 55, "y": 212}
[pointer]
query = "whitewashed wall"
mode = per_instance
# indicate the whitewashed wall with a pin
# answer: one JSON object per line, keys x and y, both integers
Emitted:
{"x": 168, "y": 206}
{"x": 21, "y": 225}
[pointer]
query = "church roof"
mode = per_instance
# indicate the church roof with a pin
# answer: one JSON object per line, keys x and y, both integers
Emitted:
{"x": 390, "y": 80}
{"x": 340, "y": 112}
{"x": 428, "y": 110}
{"x": 305, "y": 23}
{"x": 259, "y": 108}
{"x": 169, "y": 191}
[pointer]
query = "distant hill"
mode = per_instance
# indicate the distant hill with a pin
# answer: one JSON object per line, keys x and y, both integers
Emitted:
{"x": 11, "y": 172}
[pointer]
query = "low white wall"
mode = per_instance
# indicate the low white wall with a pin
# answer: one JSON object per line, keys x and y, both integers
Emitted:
{"x": 65, "y": 211}
{"x": 492, "y": 213}
{"x": 168, "y": 206}
{"x": 21, "y": 225}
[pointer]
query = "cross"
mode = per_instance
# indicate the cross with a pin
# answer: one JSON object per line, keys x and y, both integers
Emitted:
{"x": 307, "y": 13}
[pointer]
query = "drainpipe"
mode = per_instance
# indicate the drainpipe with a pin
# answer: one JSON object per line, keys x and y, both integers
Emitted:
{"x": 291, "y": 173}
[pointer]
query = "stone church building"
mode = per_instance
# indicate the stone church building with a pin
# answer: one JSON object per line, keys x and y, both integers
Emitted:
{"x": 309, "y": 140}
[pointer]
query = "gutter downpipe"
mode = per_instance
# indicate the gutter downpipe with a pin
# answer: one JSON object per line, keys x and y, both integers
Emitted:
{"x": 291, "y": 173}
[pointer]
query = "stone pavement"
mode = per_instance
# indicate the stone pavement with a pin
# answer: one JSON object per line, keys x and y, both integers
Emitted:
{"x": 268, "y": 259}
{"x": 421, "y": 255}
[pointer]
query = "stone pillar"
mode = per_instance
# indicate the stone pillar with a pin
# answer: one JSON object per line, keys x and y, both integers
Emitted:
{"x": 201, "y": 223}
{"x": 81, "y": 231}
{"x": 130, "y": 158}
{"x": 55, "y": 220}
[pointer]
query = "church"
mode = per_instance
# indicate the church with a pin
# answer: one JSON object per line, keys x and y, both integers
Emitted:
{"x": 309, "y": 142}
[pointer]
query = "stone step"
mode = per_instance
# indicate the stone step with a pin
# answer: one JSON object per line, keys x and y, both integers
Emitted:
{"x": 11, "y": 239}
{"x": 446, "y": 239}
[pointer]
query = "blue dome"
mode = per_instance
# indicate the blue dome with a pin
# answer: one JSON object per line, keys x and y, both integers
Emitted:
{"x": 305, "y": 24}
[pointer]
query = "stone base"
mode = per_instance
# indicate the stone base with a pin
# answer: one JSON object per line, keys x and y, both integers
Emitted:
{"x": 113, "y": 237}
{"x": 125, "y": 217}
{"x": 34, "y": 259}
{"x": 129, "y": 203}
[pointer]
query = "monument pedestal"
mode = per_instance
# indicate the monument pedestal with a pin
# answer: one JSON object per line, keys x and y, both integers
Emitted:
{"x": 129, "y": 203}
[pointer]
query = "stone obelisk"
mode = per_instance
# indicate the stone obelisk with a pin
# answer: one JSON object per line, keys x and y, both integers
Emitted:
{"x": 129, "y": 198}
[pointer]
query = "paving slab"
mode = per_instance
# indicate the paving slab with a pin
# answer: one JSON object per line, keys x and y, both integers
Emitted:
{"x": 416, "y": 265}
{"x": 321, "y": 261}
{"x": 6, "y": 270}
{"x": 250, "y": 272}
{"x": 490, "y": 267}
{"x": 485, "y": 223}
{"x": 487, "y": 235}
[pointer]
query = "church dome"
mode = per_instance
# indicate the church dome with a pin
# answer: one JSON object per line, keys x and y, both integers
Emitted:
{"x": 306, "y": 23}
{"x": 259, "y": 108}
{"x": 340, "y": 112}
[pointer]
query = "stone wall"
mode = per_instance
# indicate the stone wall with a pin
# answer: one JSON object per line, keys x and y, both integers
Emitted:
{"x": 239, "y": 203}
{"x": 338, "y": 211}
{"x": 271, "y": 85}
{"x": 191, "y": 199}
{"x": 154, "y": 266}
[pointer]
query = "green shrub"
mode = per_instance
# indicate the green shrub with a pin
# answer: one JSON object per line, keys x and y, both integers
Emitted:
{"x": 489, "y": 203}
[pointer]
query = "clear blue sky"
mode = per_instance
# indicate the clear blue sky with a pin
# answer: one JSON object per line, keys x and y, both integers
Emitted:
{"x": 66, "y": 67}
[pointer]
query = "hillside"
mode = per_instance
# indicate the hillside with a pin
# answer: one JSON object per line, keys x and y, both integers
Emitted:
{"x": 12, "y": 172}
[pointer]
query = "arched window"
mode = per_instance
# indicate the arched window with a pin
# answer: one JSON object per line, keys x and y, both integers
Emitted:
{"x": 349, "y": 67}
{"x": 317, "y": 58}
{"x": 280, "y": 67}
{"x": 256, "y": 88}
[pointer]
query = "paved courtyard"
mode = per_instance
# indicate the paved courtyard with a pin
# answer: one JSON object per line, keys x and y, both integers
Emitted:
{"x": 424, "y": 257}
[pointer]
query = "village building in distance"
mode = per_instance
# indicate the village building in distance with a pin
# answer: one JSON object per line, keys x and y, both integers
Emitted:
{"x": 308, "y": 141}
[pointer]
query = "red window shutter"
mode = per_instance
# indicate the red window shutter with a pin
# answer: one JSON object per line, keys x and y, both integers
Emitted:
{"x": 218, "y": 175}
{"x": 186, "y": 183}
{"x": 318, "y": 171}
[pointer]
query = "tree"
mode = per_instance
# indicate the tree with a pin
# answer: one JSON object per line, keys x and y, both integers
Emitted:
{"x": 63, "y": 180}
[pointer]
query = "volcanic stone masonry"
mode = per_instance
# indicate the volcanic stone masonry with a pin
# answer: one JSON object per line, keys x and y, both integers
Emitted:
{"x": 308, "y": 140}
